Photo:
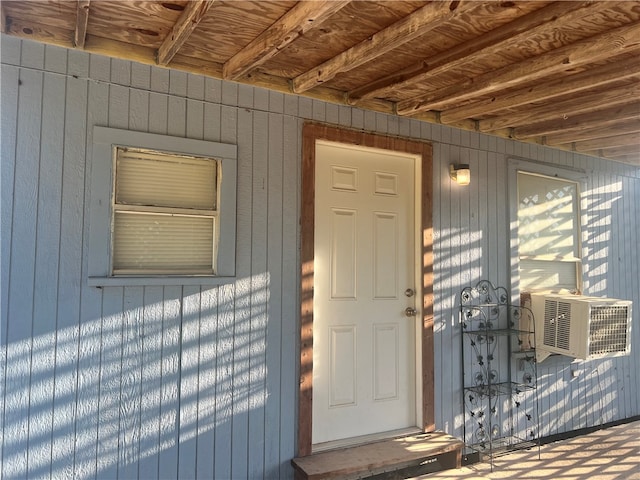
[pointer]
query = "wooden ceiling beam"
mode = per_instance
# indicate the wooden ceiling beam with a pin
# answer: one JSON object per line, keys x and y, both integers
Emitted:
{"x": 404, "y": 30}
{"x": 296, "y": 22}
{"x": 39, "y": 32}
{"x": 601, "y": 118}
{"x": 3, "y": 18}
{"x": 592, "y": 78}
{"x": 592, "y": 133}
{"x": 565, "y": 109}
{"x": 616, "y": 152}
{"x": 191, "y": 16}
{"x": 609, "y": 142}
{"x": 82, "y": 20}
{"x": 618, "y": 40}
{"x": 539, "y": 21}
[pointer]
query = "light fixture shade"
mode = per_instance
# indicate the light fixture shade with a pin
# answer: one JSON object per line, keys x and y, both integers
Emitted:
{"x": 461, "y": 174}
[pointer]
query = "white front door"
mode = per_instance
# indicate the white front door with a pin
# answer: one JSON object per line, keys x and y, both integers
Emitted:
{"x": 364, "y": 344}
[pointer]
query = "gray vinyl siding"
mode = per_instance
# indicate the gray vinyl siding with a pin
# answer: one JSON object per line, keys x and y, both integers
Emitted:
{"x": 201, "y": 382}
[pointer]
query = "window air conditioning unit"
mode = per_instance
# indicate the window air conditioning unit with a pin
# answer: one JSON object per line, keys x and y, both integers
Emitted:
{"x": 581, "y": 327}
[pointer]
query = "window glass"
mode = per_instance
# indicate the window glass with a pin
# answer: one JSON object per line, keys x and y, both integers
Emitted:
{"x": 548, "y": 232}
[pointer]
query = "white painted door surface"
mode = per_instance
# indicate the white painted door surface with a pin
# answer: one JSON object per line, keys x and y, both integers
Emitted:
{"x": 363, "y": 342}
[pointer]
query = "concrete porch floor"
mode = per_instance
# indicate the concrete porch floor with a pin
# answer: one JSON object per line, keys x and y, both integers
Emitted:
{"x": 609, "y": 454}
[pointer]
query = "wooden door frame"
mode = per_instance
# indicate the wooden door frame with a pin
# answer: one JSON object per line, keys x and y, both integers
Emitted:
{"x": 312, "y": 132}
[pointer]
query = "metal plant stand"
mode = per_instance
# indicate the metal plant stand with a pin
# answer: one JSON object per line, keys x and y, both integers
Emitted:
{"x": 499, "y": 378}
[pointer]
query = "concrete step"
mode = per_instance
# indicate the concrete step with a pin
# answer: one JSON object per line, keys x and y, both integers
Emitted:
{"x": 388, "y": 459}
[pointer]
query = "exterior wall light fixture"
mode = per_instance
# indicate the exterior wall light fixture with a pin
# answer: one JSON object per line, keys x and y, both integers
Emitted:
{"x": 460, "y": 174}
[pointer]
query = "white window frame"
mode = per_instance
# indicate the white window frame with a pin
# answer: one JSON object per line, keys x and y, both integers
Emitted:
{"x": 105, "y": 140}
{"x": 559, "y": 172}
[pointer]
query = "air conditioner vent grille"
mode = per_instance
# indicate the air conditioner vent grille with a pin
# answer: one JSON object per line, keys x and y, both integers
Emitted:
{"x": 563, "y": 336}
{"x": 550, "y": 309}
{"x": 557, "y": 324}
{"x": 608, "y": 329}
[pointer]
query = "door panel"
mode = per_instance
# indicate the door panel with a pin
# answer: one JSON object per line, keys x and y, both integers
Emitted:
{"x": 342, "y": 385}
{"x": 385, "y": 255}
{"x": 364, "y": 260}
{"x": 343, "y": 254}
{"x": 385, "y": 362}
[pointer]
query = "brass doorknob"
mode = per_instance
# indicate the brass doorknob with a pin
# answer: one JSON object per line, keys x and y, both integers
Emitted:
{"x": 410, "y": 312}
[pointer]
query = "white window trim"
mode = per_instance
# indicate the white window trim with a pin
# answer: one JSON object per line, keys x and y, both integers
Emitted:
{"x": 561, "y": 172}
{"x": 104, "y": 139}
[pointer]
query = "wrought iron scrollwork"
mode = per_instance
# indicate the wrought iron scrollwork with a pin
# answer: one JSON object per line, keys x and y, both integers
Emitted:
{"x": 500, "y": 408}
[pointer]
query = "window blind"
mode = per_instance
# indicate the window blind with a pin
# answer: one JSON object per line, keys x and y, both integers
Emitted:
{"x": 164, "y": 213}
{"x": 547, "y": 274}
{"x": 157, "y": 179}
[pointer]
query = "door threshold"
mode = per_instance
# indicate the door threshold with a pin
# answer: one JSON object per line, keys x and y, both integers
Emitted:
{"x": 363, "y": 439}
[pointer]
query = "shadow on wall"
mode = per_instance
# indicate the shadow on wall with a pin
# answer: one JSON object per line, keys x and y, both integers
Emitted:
{"x": 571, "y": 394}
{"x": 151, "y": 389}
{"x": 575, "y": 394}
{"x": 602, "y": 211}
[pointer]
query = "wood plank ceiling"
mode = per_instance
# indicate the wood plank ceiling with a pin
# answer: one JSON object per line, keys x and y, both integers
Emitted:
{"x": 564, "y": 74}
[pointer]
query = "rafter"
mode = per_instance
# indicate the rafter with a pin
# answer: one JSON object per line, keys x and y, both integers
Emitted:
{"x": 556, "y": 61}
{"x": 616, "y": 152}
{"x": 292, "y": 25}
{"x": 3, "y": 19}
{"x": 593, "y": 78}
{"x": 82, "y": 20}
{"x": 540, "y": 21}
{"x": 404, "y": 30}
{"x": 563, "y": 109}
{"x": 600, "y": 118}
{"x": 593, "y": 132}
{"x": 609, "y": 142}
{"x": 191, "y": 16}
